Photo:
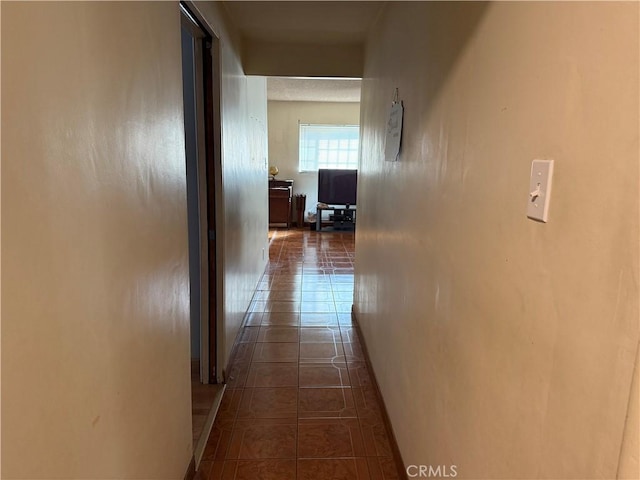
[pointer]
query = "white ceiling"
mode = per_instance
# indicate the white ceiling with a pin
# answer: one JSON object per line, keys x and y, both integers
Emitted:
{"x": 313, "y": 89}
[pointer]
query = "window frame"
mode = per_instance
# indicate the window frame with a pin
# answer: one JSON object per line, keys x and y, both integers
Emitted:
{"x": 333, "y": 145}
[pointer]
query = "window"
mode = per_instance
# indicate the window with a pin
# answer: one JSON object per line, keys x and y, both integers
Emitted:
{"x": 328, "y": 146}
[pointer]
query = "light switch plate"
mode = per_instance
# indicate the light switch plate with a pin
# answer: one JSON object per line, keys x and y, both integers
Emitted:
{"x": 540, "y": 190}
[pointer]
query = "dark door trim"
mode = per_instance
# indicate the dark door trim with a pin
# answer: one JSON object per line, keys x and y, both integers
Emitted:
{"x": 211, "y": 86}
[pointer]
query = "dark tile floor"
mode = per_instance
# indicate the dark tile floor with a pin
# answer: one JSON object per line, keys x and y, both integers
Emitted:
{"x": 299, "y": 402}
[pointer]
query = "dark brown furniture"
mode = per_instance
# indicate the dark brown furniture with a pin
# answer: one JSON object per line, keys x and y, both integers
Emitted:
{"x": 280, "y": 192}
{"x": 342, "y": 218}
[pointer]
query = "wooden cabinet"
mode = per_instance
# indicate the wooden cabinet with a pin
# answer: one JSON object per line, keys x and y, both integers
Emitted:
{"x": 280, "y": 192}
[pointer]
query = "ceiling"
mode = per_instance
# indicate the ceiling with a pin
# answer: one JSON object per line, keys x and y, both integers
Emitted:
{"x": 316, "y": 22}
{"x": 313, "y": 89}
{"x": 285, "y": 39}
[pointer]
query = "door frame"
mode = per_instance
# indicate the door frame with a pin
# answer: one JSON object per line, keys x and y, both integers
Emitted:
{"x": 211, "y": 225}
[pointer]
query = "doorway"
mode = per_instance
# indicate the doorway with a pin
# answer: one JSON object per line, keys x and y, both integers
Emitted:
{"x": 201, "y": 121}
{"x": 193, "y": 82}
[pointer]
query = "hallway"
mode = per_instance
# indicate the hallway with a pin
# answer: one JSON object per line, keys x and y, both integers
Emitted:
{"x": 299, "y": 401}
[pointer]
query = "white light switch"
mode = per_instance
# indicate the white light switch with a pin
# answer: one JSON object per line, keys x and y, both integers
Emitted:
{"x": 540, "y": 189}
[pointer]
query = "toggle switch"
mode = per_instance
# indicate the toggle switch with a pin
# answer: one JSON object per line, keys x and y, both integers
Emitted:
{"x": 540, "y": 189}
{"x": 536, "y": 193}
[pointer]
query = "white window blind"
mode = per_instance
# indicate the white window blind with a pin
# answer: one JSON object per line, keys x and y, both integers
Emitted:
{"x": 328, "y": 146}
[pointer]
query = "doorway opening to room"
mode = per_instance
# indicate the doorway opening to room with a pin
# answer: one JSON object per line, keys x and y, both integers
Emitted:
{"x": 314, "y": 134}
{"x": 313, "y": 144}
{"x": 200, "y": 72}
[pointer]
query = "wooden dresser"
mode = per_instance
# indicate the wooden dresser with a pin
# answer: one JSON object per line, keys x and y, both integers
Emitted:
{"x": 280, "y": 193}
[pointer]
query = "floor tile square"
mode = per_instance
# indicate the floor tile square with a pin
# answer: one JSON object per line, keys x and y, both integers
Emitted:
{"x": 376, "y": 439}
{"x": 273, "y": 375}
{"x": 237, "y": 375}
{"x": 359, "y": 374}
{"x": 343, "y": 296}
{"x": 325, "y": 438}
{"x": 343, "y": 271}
{"x": 284, "y": 296}
{"x": 288, "y": 286}
{"x": 205, "y": 472}
{"x": 334, "y": 469}
{"x": 253, "y": 319}
{"x": 282, "y": 319}
{"x": 249, "y": 335}
{"x": 275, "y": 352}
{"x": 320, "y": 334}
{"x": 229, "y": 404}
{"x": 219, "y": 440}
{"x": 316, "y": 287}
{"x": 318, "y": 319}
{"x": 287, "y": 278}
{"x": 315, "y": 296}
{"x": 348, "y": 334}
{"x": 342, "y": 278}
{"x": 317, "y": 307}
{"x": 323, "y": 375}
{"x": 353, "y": 352}
{"x": 367, "y": 404}
{"x": 313, "y": 271}
{"x": 342, "y": 263}
{"x": 276, "y": 334}
{"x": 325, "y": 403}
{"x": 342, "y": 287}
{"x": 344, "y": 307}
{"x": 263, "y": 438}
{"x": 346, "y": 319}
{"x": 315, "y": 277}
{"x": 258, "y": 306}
{"x": 268, "y": 402}
{"x": 321, "y": 352}
{"x": 267, "y": 469}
{"x": 383, "y": 468}
{"x": 282, "y": 307}
{"x": 261, "y": 295}
{"x": 242, "y": 353}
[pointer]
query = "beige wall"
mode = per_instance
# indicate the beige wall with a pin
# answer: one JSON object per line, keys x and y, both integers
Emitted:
{"x": 284, "y": 118}
{"x": 95, "y": 323}
{"x": 302, "y": 59}
{"x": 502, "y": 345}
{"x": 244, "y": 181}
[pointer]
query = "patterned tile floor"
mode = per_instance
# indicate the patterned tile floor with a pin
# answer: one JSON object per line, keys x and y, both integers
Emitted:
{"x": 299, "y": 402}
